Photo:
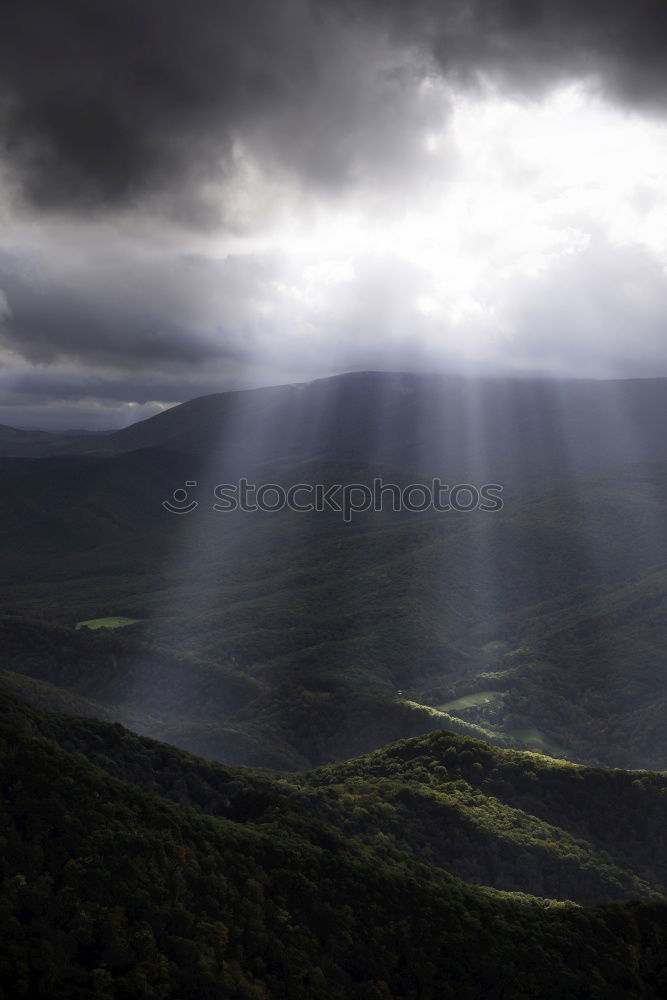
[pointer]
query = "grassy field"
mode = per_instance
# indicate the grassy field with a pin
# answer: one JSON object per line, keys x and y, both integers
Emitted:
{"x": 532, "y": 737}
{"x": 470, "y": 700}
{"x": 115, "y": 621}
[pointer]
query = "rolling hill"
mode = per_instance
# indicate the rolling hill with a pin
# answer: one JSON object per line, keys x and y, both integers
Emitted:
{"x": 290, "y": 639}
{"x": 463, "y": 712}
{"x": 538, "y": 625}
{"x": 129, "y": 866}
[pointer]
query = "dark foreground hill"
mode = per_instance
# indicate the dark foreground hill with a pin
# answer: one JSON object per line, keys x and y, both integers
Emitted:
{"x": 131, "y": 869}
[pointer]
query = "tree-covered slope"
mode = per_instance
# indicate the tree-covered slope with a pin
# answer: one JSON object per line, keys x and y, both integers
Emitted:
{"x": 546, "y": 613}
{"x": 130, "y": 867}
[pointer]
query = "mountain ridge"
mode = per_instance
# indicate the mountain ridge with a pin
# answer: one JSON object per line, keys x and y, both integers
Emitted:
{"x": 437, "y": 425}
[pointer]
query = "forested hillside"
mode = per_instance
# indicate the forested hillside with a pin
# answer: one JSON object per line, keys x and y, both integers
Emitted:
{"x": 130, "y": 867}
{"x": 288, "y": 640}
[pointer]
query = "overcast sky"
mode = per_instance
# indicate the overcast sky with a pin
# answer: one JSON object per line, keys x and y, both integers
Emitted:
{"x": 203, "y": 195}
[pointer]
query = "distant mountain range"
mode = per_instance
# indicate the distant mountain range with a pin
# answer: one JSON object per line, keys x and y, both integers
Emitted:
{"x": 497, "y": 428}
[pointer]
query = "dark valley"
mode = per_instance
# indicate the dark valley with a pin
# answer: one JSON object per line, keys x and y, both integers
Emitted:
{"x": 462, "y": 712}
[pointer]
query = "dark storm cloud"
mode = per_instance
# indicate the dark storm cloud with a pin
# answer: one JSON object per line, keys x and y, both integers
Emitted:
{"x": 117, "y": 119}
{"x": 70, "y": 397}
{"x": 31, "y": 386}
{"x": 528, "y": 43}
{"x": 108, "y": 103}
{"x": 119, "y": 309}
{"x": 104, "y": 106}
{"x": 140, "y": 101}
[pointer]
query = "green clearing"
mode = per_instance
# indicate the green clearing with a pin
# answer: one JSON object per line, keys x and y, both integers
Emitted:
{"x": 470, "y": 700}
{"x": 532, "y": 737}
{"x": 115, "y": 621}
